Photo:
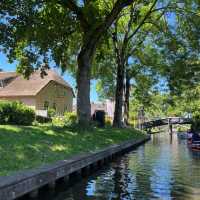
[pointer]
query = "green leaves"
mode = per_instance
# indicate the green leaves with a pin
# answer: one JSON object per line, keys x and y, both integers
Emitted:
{"x": 35, "y": 33}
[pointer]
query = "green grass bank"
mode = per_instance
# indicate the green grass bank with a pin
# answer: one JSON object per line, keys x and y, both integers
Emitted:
{"x": 29, "y": 147}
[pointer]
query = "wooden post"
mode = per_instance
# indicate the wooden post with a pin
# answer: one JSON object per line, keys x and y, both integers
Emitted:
{"x": 170, "y": 126}
{"x": 149, "y": 131}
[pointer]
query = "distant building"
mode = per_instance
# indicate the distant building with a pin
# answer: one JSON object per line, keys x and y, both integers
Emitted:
{"x": 108, "y": 106}
{"x": 39, "y": 93}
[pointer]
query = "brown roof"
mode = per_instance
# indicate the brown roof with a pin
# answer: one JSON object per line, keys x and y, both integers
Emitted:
{"x": 5, "y": 75}
{"x": 23, "y": 87}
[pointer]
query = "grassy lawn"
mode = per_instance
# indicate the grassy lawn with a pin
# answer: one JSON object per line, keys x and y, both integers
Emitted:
{"x": 29, "y": 147}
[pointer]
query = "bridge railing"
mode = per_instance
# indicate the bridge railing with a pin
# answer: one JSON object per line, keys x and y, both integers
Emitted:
{"x": 165, "y": 121}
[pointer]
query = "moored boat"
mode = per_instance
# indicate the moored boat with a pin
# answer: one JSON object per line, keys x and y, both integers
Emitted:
{"x": 195, "y": 146}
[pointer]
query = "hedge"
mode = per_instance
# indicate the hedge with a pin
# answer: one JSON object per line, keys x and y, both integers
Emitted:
{"x": 14, "y": 112}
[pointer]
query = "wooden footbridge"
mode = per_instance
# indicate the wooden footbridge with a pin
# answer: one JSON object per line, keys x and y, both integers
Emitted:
{"x": 146, "y": 124}
{"x": 166, "y": 121}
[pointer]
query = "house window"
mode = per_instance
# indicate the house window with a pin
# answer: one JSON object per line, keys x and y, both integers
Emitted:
{"x": 46, "y": 105}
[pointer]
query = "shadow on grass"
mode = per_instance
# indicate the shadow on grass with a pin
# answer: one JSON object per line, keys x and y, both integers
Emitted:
{"x": 29, "y": 147}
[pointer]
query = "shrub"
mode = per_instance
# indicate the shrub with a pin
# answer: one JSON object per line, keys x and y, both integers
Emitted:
{"x": 42, "y": 119}
{"x": 16, "y": 113}
{"x": 108, "y": 121}
{"x": 58, "y": 121}
{"x": 51, "y": 112}
{"x": 70, "y": 119}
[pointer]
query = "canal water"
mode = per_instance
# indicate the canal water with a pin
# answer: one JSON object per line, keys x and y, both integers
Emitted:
{"x": 163, "y": 168}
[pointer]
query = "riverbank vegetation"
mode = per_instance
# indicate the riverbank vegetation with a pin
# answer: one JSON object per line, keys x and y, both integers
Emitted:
{"x": 32, "y": 146}
{"x": 15, "y": 112}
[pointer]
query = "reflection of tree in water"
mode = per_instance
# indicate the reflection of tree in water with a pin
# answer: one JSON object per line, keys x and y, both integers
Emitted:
{"x": 121, "y": 179}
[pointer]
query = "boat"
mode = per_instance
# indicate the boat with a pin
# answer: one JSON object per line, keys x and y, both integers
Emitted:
{"x": 195, "y": 146}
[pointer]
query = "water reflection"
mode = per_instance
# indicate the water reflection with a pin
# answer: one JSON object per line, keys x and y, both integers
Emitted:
{"x": 163, "y": 168}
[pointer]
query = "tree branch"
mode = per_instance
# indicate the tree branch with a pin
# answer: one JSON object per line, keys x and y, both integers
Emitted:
{"x": 110, "y": 18}
{"x": 158, "y": 18}
{"x": 115, "y": 43}
{"x": 144, "y": 19}
{"x": 118, "y": 7}
{"x": 134, "y": 49}
{"x": 71, "y": 5}
{"x": 95, "y": 34}
{"x": 126, "y": 38}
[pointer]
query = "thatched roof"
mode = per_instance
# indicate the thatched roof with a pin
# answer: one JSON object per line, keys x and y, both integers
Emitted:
{"x": 23, "y": 87}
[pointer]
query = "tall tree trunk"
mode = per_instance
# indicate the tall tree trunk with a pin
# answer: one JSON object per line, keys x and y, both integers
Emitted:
{"x": 119, "y": 94}
{"x": 91, "y": 37}
{"x": 127, "y": 96}
{"x": 83, "y": 86}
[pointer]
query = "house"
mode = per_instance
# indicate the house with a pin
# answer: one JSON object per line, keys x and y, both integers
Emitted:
{"x": 39, "y": 93}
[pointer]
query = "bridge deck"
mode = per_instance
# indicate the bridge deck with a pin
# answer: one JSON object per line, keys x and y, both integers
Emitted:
{"x": 166, "y": 121}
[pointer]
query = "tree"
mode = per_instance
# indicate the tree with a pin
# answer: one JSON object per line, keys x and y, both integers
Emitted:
{"x": 153, "y": 27}
{"x": 177, "y": 51}
{"x": 39, "y": 32}
{"x": 124, "y": 30}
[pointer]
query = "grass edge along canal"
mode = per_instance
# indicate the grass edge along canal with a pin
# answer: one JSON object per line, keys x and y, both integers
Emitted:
{"x": 30, "y": 147}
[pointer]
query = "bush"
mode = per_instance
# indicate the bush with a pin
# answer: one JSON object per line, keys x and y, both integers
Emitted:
{"x": 70, "y": 119}
{"x": 51, "y": 112}
{"x": 16, "y": 113}
{"x": 108, "y": 121}
{"x": 42, "y": 119}
{"x": 58, "y": 121}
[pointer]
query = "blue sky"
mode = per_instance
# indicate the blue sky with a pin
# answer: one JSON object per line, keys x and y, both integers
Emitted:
{"x": 12, "y": 67}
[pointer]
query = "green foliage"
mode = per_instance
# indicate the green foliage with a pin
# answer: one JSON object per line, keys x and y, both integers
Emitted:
{"x": 70, "y": 119}
{"x": 15, "y": 113}
{"x": 58, "y": 121}
{"x": 182, "y": 128}
{"x": 42, "y": 119}
{"x": 196, "y": 121}
{"x": 36, "y": 33}
{"x": 51, "y": 112}
{"x": 196, "y": 125}
{"x": 108, "y": 121}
